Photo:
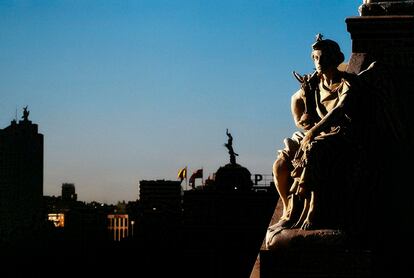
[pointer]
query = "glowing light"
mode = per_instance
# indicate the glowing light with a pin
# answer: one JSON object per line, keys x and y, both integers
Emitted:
{"x": 58, "y": 219}
{"x": 118, "y": 226}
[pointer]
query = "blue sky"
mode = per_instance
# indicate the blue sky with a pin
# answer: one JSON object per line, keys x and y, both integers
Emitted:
{"x": 131, "y": 90}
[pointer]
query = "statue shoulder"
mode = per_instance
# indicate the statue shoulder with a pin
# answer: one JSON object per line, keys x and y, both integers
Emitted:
{"x": 299, "y": 94}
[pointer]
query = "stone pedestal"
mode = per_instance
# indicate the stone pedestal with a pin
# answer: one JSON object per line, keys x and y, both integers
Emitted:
{"x": 388, "y": 39}
{"x": 314, "y": 253}
{"x": 315, "y": 263}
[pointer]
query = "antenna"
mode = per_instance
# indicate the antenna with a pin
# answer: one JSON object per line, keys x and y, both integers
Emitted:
{"x": 15, "y": 115}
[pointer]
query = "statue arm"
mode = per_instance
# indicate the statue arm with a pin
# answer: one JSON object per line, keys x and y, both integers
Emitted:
{"x": 329, "y": 120}
{"x": 298, "y": 108}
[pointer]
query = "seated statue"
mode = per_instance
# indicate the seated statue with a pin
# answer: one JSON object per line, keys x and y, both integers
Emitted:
{"x": 319, "y": 173}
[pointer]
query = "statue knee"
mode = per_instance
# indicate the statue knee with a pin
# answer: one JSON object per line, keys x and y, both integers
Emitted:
{"x": 274, "y": 168}
{"x": 280, "y": 167}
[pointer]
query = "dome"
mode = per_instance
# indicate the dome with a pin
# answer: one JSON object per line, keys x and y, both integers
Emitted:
{"x": 233, "y": 177}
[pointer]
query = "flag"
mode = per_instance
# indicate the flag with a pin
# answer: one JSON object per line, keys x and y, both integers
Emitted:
{"x": 182, "y": 173}
{"x": 196, "y": 175}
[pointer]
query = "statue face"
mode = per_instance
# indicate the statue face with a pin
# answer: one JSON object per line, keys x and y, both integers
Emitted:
{"x": 321, "y": 61}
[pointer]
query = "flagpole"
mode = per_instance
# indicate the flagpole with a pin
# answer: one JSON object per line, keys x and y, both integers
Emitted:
{"x": 186, "y": 179}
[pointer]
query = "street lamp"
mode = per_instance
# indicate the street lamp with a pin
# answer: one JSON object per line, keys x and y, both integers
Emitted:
{"x": 132, "y": 227}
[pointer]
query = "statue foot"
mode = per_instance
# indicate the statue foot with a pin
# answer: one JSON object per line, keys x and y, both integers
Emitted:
{"x": 283, "y": 223}
{"x": 307, "y": 225}
{"x": 275, "y": 229}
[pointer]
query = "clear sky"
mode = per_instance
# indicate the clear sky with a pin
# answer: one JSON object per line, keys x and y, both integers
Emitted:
{"x": 130, "y": 90}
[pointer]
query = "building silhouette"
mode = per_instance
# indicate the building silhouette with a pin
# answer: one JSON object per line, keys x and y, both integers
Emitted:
{"x": 68, "y": 192}
{"x": 224, "y": 223}
{"x": 160, "y": 196}
{"x": 161, "y": 210}
{"x": 217, "y": 228}
{"x": 21, "y": 181}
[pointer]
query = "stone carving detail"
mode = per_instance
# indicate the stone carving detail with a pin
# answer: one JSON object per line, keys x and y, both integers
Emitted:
{"x": 391, "y": 7}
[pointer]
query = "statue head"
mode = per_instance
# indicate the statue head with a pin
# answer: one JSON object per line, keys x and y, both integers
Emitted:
{"x": 330, "y": 50}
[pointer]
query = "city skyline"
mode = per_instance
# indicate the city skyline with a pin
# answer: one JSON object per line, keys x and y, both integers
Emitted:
{"x": 136, "y": 90}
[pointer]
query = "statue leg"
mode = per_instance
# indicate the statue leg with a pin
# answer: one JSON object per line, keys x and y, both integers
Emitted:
{"x": 292, "y": 205}
{"x": 282, "y": 180}
{"x": 308, "y": 222}
{"x": 308, "y": 197}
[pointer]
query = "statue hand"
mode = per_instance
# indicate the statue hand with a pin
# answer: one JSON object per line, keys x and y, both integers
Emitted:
{"x": 306, "y": 121}
{"x": 310, "y": 135}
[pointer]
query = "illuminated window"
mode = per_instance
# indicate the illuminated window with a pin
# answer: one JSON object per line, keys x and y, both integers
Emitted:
{"x": 58, "y": 219}
{"x": 118, "y": 226}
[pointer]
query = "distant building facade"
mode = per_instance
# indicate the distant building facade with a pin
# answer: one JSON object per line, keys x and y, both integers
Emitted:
{"x": 160, "y": 213}
{"x": 161, "y": 197}
{"x": 118, "y": 225}
{"x": 82, "y": 224}
{"x": 21, "y": 178}
{"x": 58, "y": 219}
{"x": 225, "y": 221}
{"x": 68, "y": 192}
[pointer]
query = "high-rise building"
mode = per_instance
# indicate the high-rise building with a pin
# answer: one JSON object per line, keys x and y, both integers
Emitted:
{"x": 161, "y": 211}
{"x": 21, "y": 178}
{"x": 68, "y": 192}
{"x": 161, "y": 197}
